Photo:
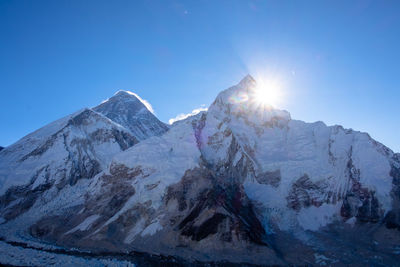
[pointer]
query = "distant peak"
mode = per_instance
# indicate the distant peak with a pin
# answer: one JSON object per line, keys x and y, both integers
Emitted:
{"x": 133, "y": 113}
{"x": 128, "y": 95}
{"x": 125, "y": 93}
{"x": 248, "y": 79}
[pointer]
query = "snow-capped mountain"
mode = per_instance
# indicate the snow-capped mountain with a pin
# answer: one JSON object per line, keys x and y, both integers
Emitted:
{"x": 78, "y": 146}
{"x": 1, "y": 148}
{"x": 239, "y": 183}
{"x": 131, "y": 112}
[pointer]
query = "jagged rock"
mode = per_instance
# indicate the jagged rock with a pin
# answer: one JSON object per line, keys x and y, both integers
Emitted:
{"x": 305, "y": 193}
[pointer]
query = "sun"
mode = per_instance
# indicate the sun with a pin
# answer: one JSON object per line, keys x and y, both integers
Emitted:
{"x": 268, "y": 92}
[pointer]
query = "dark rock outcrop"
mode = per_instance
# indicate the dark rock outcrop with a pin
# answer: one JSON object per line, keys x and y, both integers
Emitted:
{"x": 20, "y": 199}
{"x": 359, "y": 201}
{"x": 305, "y": 193}
{"x": 392, "y": 219}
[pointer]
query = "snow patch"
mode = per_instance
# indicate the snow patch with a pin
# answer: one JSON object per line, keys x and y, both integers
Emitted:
{"x": 351, "y": 221}
{"x": 152, "y": 228}
{"x": 85, "y": 225}
{"x": 313, "y": 218}
{"x": 183, "y": 116}
{"x": 323, "y": 260}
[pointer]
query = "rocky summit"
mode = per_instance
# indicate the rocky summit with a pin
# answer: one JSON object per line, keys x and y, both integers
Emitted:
{"x": 238, "y": 184}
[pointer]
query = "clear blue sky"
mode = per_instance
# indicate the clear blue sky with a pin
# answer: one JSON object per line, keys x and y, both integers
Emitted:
{"x": 339, "y": 60}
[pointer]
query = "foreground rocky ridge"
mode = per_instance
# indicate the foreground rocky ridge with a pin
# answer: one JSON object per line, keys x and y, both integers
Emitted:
{"x": 238, "y": 183}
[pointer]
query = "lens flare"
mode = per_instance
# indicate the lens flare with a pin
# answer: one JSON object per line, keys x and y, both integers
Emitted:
{"x": 268, "y": 92}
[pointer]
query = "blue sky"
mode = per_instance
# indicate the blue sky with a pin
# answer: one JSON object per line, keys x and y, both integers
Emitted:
{"x": 338, "y": 60}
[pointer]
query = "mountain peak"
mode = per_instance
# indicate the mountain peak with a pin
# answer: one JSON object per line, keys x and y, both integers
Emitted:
{"x": 242, "y": 99}
{"x": 125, "y": 93}
{"x": 132, "y": 112}
{"x": 248, "y": 80}
{"x": 238, "y": 93}
{"x": 128, "y": 96}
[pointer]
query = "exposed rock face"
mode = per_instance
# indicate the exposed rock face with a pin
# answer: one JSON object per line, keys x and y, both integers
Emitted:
{"x": 392, "y": 219}
{"x": 72, "y": 229}
{"x": 232, "y": 184}
{"x": 269, "y": 178}
{"x": 200, "y": 212}
{"x": 1, "y": 148}
{"x": 25, "y": 198}
{"x": 305, "y": 193}
{"x": 214, "y": 209}
{"x": 236, "y": 220}
{"x": 128, "y": 110}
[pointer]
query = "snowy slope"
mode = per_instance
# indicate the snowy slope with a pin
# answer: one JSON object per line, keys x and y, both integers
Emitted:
{"x": 83, "y": 142}
{"x": 73, "y": 148}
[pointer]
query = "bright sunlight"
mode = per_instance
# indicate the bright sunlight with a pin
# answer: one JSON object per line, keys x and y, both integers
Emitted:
{"x": 268, "y": 92}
